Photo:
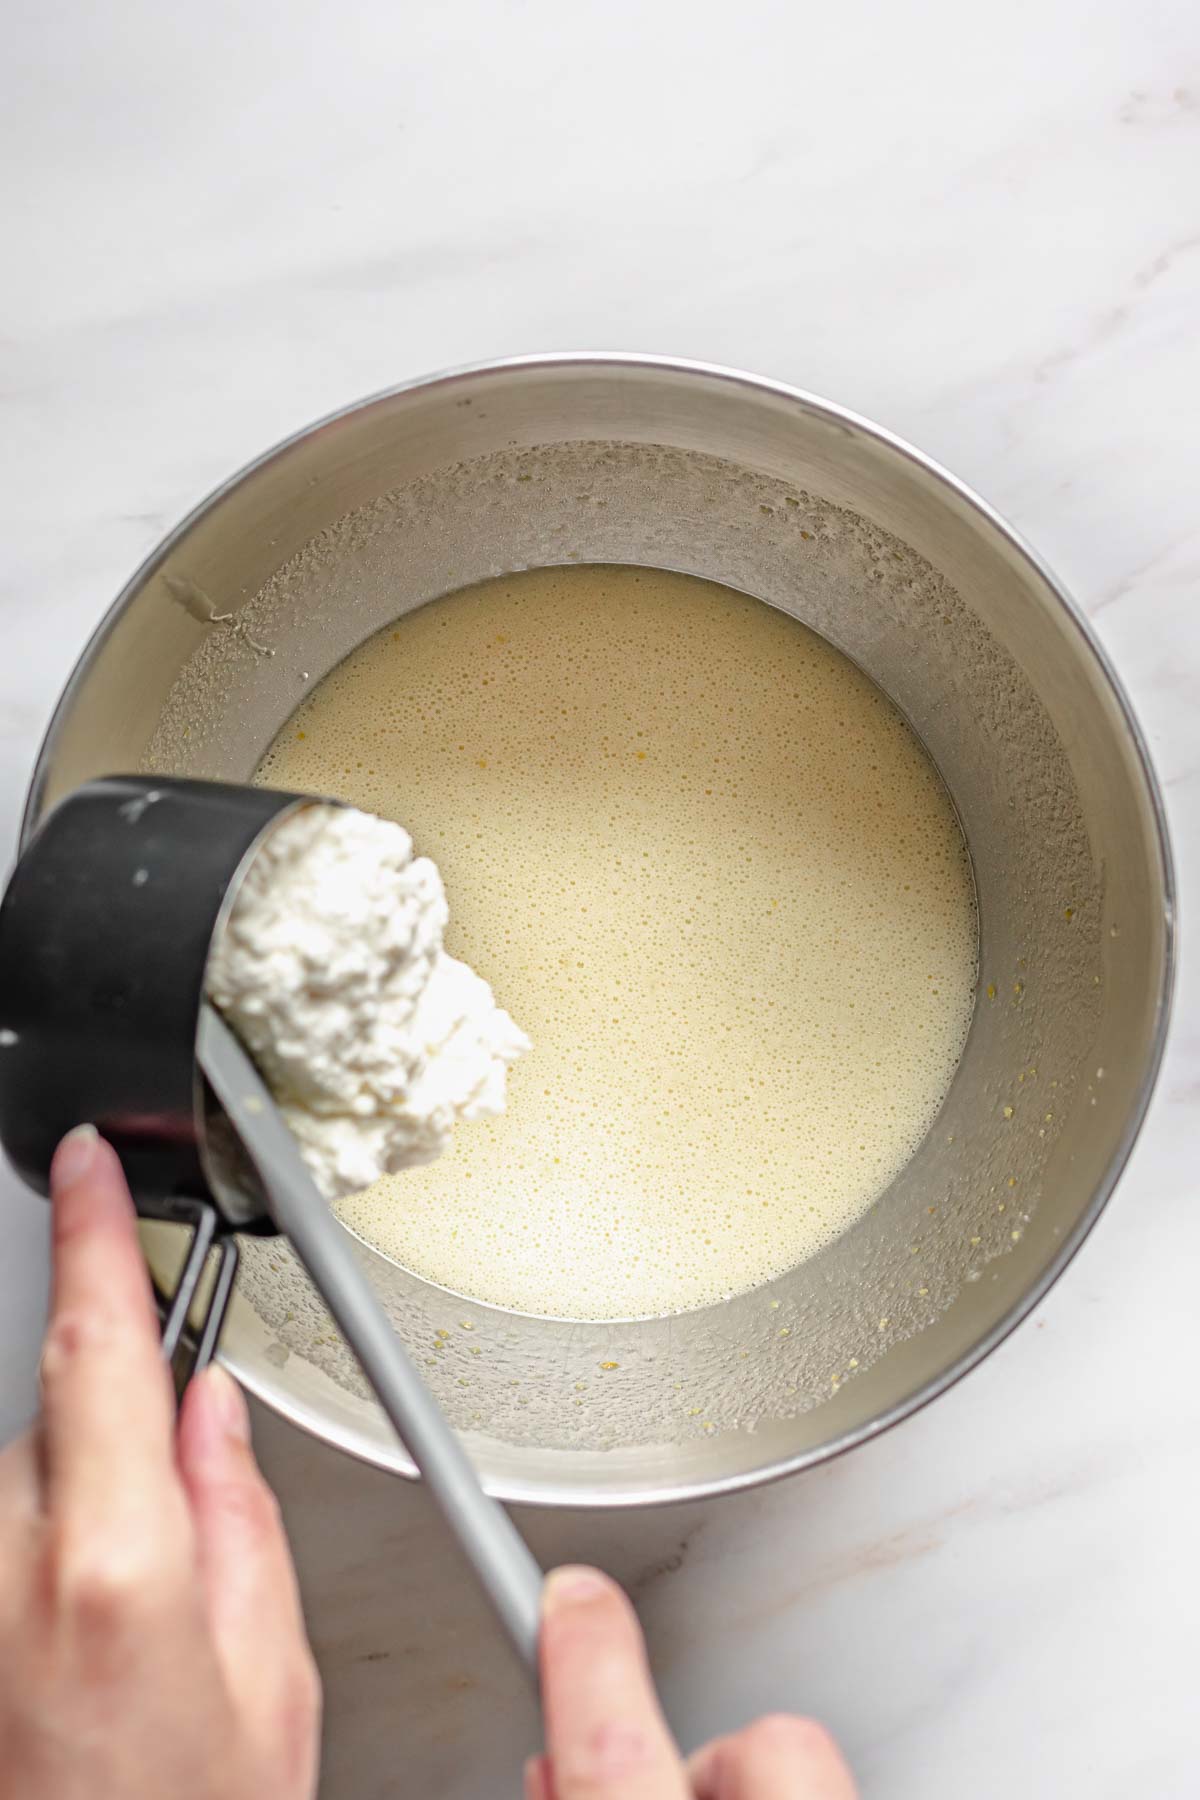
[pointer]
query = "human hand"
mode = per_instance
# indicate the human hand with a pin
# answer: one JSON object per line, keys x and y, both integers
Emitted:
{"x": 606, "y": 1738}
{"x": 151, "y": 1640}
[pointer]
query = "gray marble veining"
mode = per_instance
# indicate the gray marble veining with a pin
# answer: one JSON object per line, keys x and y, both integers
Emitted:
{"x": 982, "y": 230}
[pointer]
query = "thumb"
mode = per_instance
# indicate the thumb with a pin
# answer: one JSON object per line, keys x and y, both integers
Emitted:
{"x": 606, "y": 1738}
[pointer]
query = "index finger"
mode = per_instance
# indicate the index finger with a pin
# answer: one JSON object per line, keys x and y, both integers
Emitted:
{"x": 606, "y": 1737}
{"x": 108, "y": 1405}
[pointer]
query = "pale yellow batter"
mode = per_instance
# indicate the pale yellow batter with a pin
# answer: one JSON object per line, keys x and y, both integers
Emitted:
{"x": 710, "y": 871}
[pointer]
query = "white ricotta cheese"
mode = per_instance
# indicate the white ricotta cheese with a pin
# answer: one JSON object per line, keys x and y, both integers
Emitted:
{"x": 331, "y": 970}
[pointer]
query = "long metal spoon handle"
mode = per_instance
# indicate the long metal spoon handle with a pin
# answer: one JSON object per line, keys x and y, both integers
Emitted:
{"x": 501, "y": 1559}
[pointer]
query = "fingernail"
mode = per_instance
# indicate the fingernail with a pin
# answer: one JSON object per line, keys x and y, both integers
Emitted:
{"x": 75, "y": 1154}
{"x": 227, "y": 1402}
{"x": 574, "y": 1585}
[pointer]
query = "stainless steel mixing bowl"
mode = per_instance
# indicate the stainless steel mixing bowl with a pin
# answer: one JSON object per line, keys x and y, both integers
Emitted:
{"x": 625, "y": 459}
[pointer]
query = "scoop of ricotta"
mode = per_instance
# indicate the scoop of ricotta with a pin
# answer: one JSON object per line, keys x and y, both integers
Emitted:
{"x": 330, "y": 968}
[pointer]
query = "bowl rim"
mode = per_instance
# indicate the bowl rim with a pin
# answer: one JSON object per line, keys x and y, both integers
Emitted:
{"x": 597, "y": 1495}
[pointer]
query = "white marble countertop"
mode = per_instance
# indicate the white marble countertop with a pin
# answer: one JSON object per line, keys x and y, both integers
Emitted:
{"x": 981, "y": 229}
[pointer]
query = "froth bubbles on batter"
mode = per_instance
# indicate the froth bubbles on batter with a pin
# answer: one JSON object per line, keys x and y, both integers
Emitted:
{"x": 708, "y": 866}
